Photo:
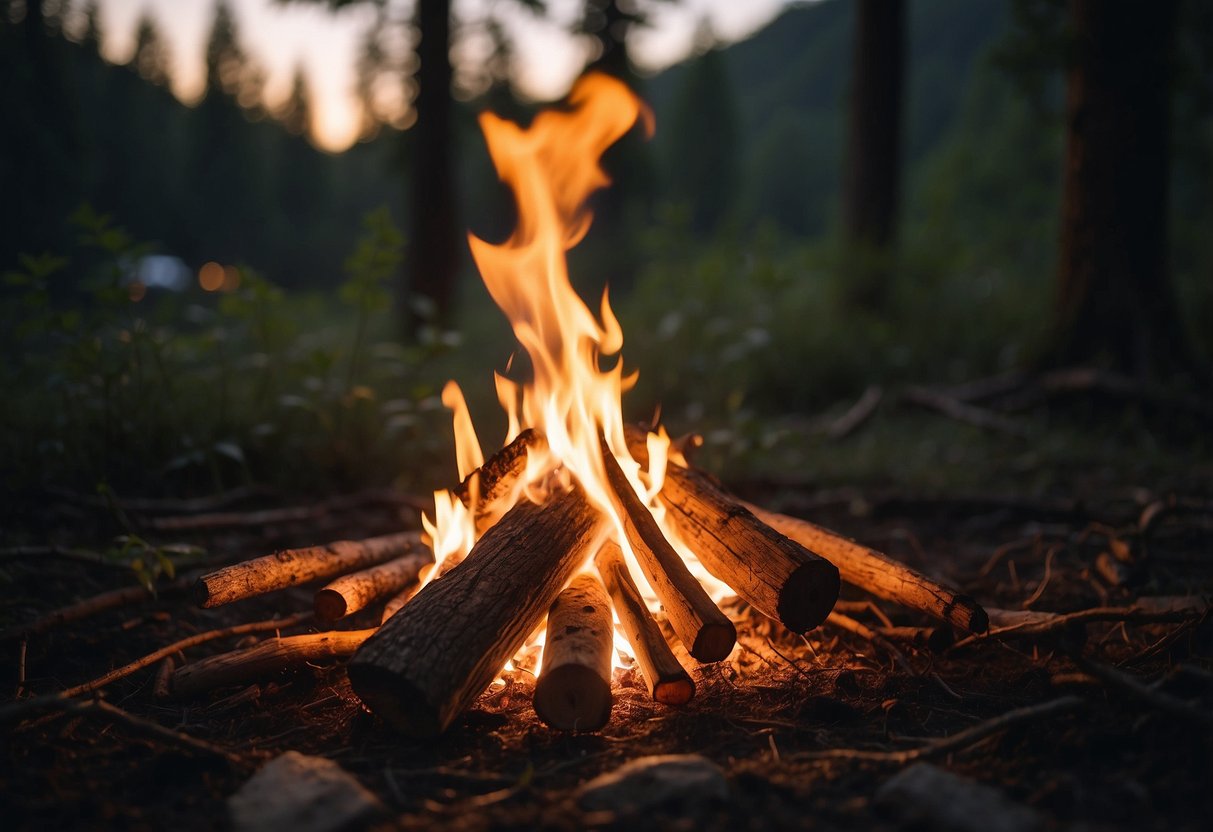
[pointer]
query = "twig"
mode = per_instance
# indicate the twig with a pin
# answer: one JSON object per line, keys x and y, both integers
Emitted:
{"x": 863, "y": 631}
{"x": 963, "y": 412}
{"x": 947, "y": 745}
{"x": 856, "y": 414}
{"x": 1043, "y": 623}
{"x": 21, "y": 668}
{"x": 92, "y": 606}
{"x": 1044, "y": 582}
{"x": 1152, "y": 696}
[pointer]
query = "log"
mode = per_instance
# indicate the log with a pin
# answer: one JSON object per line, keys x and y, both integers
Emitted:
{"x": 496, "y": 477}
{"x": 573, "y": 692}
{"x": 880, "y": 575}
{"x": 778, "y": 577}
{"x": 265, "y": 659}
{"x": 403, "y": 596}
{"x": 291, "y": 567}
{"x": 358, "y": 590}
{"x": 706, "y": 632}
{"x": 668, "y": 682}
{"x": 430, "y": 661}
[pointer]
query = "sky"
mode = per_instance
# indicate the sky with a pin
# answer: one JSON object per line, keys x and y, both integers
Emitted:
{"x": 325, "y": 43}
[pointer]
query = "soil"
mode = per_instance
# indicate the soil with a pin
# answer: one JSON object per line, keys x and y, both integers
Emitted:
{"x": 1120, "y": 761}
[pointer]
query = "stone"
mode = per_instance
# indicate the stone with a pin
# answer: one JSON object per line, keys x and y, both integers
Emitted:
{"x": 926, "y": 796}
{"x": 300, "y": 793}
{"x": 672, "y": 781}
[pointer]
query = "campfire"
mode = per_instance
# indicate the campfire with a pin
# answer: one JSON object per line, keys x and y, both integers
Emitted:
{"x": 560, "y": 552}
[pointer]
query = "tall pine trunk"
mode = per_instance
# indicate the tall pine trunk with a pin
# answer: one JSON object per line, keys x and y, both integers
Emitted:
{"x": 1115, "y": 303}
{"x": 873, "y": 171}
{"x": 432, "y": 255}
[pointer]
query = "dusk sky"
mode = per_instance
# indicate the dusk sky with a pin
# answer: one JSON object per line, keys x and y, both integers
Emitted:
{"x": 281, "y": 37}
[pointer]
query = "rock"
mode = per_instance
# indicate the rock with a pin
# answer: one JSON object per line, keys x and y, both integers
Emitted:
{"x": 926, "y": 796}
{"x": 302, "y": 794}
{"x": 662, "y": 782}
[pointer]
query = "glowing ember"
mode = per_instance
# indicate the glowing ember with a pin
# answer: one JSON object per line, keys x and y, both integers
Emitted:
{"x": 553, "y": 167}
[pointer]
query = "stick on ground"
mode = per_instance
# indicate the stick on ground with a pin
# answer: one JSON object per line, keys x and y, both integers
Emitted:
{"x": 291, "y": 567}
{"x": 573, "y": 692}
{"x": 351, "y": 593}
{"x": 667, "y": 680}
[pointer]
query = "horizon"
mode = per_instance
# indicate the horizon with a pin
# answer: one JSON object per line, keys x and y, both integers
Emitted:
{"x": 325, "y": 43}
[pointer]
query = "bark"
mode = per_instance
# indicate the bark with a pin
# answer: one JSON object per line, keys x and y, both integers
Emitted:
{"x": 873, "y": 172}
{"x": 291, "y": 567}
{"x": 573, "y": 693}
{"x": 778, "y": 577}
{"x": 1115, "y": 301}
{"x": 358, "y": 590}
{"x": 264, "y": 660}
{"x": 432, "y": 256}
{"x": 430, "y": 661}
{"x": 880, "y": 575}
{"x": 668, "y": 682}
{"x": 706, "y": 632}
{"x": 483, "y": 489}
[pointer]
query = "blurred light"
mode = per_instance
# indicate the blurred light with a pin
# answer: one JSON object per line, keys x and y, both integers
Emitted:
{"x": 136, "y": 290}
{"x": 163, "y": 271}
{"x": 211, "y": 276}
{"x": 231, "y": 279}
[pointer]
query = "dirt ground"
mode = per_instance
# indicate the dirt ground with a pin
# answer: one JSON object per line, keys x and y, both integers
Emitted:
{"x": 1134, "y": 754}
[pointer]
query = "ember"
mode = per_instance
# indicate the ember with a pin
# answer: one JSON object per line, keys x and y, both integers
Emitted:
{"x": 577, "y": 514}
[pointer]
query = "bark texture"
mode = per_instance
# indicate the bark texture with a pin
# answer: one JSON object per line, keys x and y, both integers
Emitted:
{"x": 573, "y": 693}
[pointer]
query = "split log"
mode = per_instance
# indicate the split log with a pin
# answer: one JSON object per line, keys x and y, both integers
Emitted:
{"x": 430, "y": 661}
{"x": 291, "y": 567}
{"x": 881, "y": 575}
{"x": 779, "y": 577}
{"x": 355, "y": 591}
{"x": 484, "y": 487}
{"x": 263, "y": 660}
{"x": 706, "y": 632}
{"x": 668, "y": 682}
{"x": 573, "y": 692}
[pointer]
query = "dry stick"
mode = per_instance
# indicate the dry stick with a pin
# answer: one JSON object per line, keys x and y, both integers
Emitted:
{"x": 849, "y": 624}
{"x": 668, "y": 682}
{"x": 263, "y": 660}
{"x": 856, "y": 414}
{"x": 1133, "y": 687}
{"x": 351, "y": 593}
{"x": 162, "y": 688}
{"x": 573, "y": 693}
{"x": 947, "y": 745}
{"x": 430, "y": 660}
{"x": 99, "y": 708}
{"x": 879, "y": 574}
{"x": 780, "y": 578}
{"x": 291, "y": 567}
{"x": 92, "y": 606}
{"x": 1033, "y": 623}
{"x": 706, "y": 632}
{"x": 962, "y": 411}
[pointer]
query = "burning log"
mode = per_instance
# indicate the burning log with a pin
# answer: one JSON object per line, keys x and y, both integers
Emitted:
{"x": 881, "y": 575}
{"x": 777, "y": 576}
{"x": 708, "y": 634}
{"x": 430, "y": 661}
{"x": 668, "y": 682}
{"x": 265, "y": 659}
{"x": 353, "y": 592}
{"x": 573, "y": 692}
{"x": 291, "y": 567}
{"x": 496, "y": 477}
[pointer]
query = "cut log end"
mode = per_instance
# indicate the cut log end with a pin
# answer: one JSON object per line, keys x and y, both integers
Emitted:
{"x": 573, "y": 697}
{"x": 967, "y": 613}
{"x": 329, "y": 605}
{"x": 674, "y": 692}
{"x": 808, "y": 595}
{"x": 715, "y": 641}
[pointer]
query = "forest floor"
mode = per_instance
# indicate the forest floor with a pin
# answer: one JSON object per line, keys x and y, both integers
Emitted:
{"x": 1128, "y": 746}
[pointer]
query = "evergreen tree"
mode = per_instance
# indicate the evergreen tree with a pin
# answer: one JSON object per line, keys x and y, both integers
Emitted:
{"x": 151, "y": 58}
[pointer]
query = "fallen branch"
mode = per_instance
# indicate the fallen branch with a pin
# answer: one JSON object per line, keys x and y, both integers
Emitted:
{"x": 704, "y": 630}
{"x": 856, "y": 414}
{"x": 291, "y": 567}
{"x": 963, "y": 412}
{"x": 573, "y": 693}
{"x": 1010, "y": 624}
{"x": 947, "y": 745}
{"x": 1165, "y": 702}
{"x": 879, "y": 574}
{"x": 265, "y": 659}
{"x": 351, "y": 593}
{"x": 668, "y": 682}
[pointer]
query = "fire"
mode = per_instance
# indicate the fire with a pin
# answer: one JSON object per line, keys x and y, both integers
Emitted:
{"x": 552, "y": 168}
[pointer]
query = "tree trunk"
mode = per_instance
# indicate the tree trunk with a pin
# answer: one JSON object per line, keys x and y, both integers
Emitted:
{"x": 873, "y": 172}
{"x": 1115, "y": 302}
{"x": 432, "y": 253}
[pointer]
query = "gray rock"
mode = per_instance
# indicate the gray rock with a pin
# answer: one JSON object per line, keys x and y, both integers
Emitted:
{"x": 302, "y": 794}
{"x": 667, "y": 781}
{"x": 924, "y": 795}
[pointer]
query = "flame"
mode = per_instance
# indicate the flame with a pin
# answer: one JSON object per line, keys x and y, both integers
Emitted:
{"x": 552, "y": 166}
